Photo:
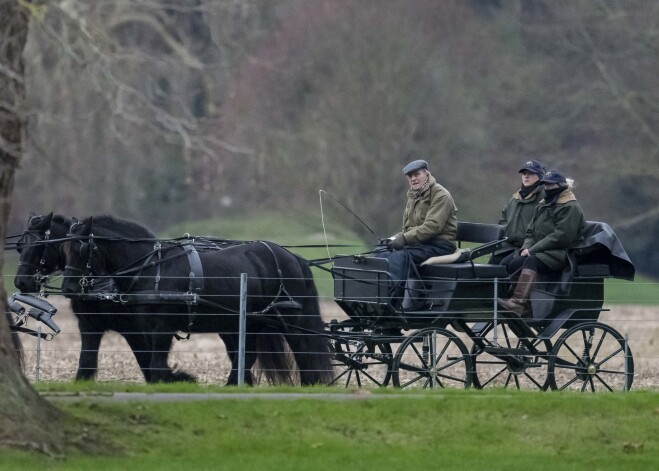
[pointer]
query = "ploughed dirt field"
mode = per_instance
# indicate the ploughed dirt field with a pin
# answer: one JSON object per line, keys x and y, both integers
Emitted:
{"x": 204, "y": 355}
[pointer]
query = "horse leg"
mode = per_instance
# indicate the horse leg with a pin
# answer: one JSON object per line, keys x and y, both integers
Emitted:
{"x": 159, "y": 338}
{"x": 161, "y": 343}
{"x": 231, "y": 343}
{"x": 90, "y": 343}
{"x": 139, "y": 344}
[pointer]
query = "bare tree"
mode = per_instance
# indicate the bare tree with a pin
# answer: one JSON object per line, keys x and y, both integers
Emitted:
{"x": 26, "y": 420}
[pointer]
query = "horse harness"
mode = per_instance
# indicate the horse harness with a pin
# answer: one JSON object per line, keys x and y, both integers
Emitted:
{"x": 107, "y": 290}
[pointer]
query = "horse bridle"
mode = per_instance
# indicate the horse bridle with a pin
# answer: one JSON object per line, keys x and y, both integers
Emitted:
{"x": 41, "y": 274}
{"x": 86, "y": 249}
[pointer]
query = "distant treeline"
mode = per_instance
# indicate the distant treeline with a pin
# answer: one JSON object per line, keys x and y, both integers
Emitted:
{"x": 164, "y": 112}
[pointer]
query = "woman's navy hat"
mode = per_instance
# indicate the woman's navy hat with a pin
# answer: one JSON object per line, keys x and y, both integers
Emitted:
{"x": 416, "y": 165}
{"x": 553, "y": 176}
{"x": 533, "y": 166}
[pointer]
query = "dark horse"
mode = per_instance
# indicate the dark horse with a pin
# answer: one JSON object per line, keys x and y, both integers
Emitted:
{"x": 196, "y": 288}
{"x": 40, "y": 256}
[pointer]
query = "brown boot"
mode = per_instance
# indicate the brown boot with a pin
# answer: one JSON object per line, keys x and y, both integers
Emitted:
{"x": 520, "y": 302}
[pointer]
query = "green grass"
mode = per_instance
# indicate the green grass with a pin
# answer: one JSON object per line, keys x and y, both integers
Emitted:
{"x": 436, "y": 430}
{"x": 9, "y": 270}
{"x": 643, "y": 290}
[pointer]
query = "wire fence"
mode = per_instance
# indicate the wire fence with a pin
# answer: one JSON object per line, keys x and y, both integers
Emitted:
{"x": 358, "y": 356}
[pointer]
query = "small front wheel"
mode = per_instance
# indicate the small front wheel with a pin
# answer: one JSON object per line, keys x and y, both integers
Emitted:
{"x": 591, "y": 357}
{"x": 362, "y": 363}
{"x": 432, "y": 358}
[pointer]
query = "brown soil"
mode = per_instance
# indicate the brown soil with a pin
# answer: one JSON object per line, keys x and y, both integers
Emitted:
{"x": 204, "y": 355}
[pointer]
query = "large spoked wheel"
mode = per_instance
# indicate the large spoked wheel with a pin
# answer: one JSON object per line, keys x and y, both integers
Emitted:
{"x": 591, "y": 357}
{"x": 362, "y": 363}
{"x": 507, "y": 361}
{"x": 432, "y": 358}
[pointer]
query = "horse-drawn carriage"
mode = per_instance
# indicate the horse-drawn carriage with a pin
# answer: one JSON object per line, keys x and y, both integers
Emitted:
{"x": 447, "y": 332}
{"x": 456, "y": 335}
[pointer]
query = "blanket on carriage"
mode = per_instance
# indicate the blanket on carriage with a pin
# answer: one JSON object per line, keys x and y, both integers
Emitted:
{"x": 599, "y": 255}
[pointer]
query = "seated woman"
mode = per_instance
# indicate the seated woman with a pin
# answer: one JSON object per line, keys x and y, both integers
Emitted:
{"x": 517, "y": 214}
{"x": 557, "y": 224}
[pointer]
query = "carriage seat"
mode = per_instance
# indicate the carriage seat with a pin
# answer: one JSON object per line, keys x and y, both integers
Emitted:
{"x": 487, "y": 234}
{"x": 465, "y": 270}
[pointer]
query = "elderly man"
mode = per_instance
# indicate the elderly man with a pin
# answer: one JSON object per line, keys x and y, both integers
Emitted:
{"x": 429, "y": 226}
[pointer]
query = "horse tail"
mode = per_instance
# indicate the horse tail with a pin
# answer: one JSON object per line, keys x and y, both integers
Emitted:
{"x": 274, "y": 359}
{"x": 16, "y": 340}
{"x": 318, "y": 368}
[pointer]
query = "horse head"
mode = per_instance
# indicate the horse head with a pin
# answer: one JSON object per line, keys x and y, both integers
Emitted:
{"x": 39, "y": 251}
{"x": 83, "y": 262}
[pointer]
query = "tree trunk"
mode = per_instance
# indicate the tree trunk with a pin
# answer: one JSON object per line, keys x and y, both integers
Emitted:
{"x": 26, "y": 420}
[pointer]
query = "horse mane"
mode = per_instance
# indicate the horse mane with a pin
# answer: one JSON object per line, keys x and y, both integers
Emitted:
{"x": 62, "y": 220}
{"x": 107, "y": 225}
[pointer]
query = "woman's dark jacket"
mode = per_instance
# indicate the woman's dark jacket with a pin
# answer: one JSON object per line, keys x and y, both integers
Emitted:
{"x": 517, "y": 215}
{"x": 555, "y": 228}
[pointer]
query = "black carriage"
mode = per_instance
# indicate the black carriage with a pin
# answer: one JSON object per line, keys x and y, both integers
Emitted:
{"x": 448, "y": 332}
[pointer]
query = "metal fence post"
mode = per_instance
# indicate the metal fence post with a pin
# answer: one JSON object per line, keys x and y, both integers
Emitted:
{"x": 495, "y": 312}
{"x": 38, "y": 366}
{"x": 626, "y": 388}
{"x": 242, "y": 329}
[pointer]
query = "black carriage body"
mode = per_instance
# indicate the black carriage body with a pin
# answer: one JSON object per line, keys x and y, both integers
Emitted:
{"x": 506, "y": 350}
{"x": 467, "y": 291}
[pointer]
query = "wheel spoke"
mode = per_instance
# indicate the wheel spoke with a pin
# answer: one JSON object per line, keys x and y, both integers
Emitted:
{"x": 451, "y": 363}
{"x": 576, "y": 355}
{"x": 505, "y": 335}
{"x": 599, "y": 344}
{"x": 609, "y": 357}
{"x": 495, "y": 376}
{"x": 419, "y": 355}
{"x": 412, "y": 381}
{"x": 342, "y": 374}
{"x": 603, "y": 382}
{"x": 611, "y": 372}
{"x": 570, "y": 366}
{"x": 365, "y": 373}
{"x": 348, "y": 377}
{"x": 569, "y": 382}
{"x": 453, "y": 378}
{"x": 505, "y": 385}
{"x": 532, "y": 379}
{"x": 446, "y": 346}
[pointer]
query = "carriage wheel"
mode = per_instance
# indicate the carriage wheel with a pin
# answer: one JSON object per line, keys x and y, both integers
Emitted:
{"x": 511, "y": 362}
{"x": 591, "y": 357}
{"x": 432, "y": 358}
{"x": 363, "y": 363}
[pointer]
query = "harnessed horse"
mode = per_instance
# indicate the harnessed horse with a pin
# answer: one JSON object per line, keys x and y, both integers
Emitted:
{"x": 193, "y": 286}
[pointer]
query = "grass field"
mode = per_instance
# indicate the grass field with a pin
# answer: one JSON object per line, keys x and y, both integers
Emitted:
{"x": 440, "y": 430}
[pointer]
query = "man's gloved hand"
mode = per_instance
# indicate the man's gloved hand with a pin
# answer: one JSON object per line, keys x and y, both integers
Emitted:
{"x": 396, "y": 242}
